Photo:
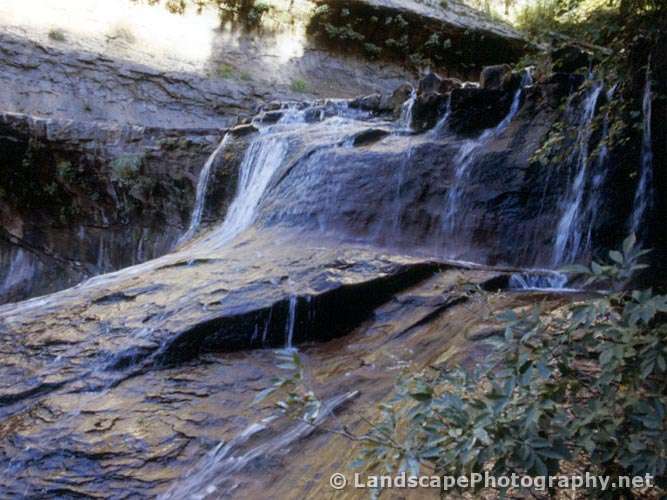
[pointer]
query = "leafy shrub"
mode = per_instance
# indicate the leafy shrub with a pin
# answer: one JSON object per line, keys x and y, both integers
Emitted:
{"x": 582, "y": 388}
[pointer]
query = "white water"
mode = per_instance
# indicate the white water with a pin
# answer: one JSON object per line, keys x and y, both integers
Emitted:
{"x": 262, "y": 159}
{"x": 443, "y": 123}
{"x": 569, "y": 231}
{"x": 405, "y": 121}
{"x": 291, "y": 320}
{"x": 202, "y": 187}
{"x": 227, "y": 459}
{"x": 538, "y": 281}
{"x": 644, "y": 194}
{"x": 599, "y": 173}
{"x": 21, "y": 270}
{"x": 467, "y": 155}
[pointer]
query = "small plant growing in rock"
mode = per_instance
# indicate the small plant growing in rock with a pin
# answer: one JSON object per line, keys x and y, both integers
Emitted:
{"x": 299, "y": 85}
{"x": 65, "y": 170}
{"x": 225, "y": 71}
{"x": 57, "y": 35}
{"x": 125, "y": 169}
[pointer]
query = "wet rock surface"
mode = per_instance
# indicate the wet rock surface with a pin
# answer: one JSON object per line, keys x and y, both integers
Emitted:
{"x": 82, "y": 198}
{"x": 122, "y": 385}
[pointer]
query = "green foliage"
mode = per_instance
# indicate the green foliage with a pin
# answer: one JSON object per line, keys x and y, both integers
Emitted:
{"x": 372, "y": 50}
{"x": 581, "y": 389}
{"x": 586, "y": 388}
{"x": 345, "y": 32}
{"x": 65, "y": 171}
{"x": 300, "y": 402}
{"x": 248, "y": 13}
{"x": 299, "y": 85}
{"x": 225, "y": 71}
{"x": 57, "y": 34}
{"x": 125, "y": 169}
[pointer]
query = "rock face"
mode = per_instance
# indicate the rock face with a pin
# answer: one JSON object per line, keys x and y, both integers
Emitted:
{"x": 81, "y": 198}
{"x": 450, "y": 37}
{"x": 138, "y": 379}
{"x": 37, "y": 78}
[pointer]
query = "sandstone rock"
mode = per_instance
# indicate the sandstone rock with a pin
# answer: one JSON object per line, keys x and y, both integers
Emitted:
{"x": 243, "y": 130}
{"x": 427, "y": 110}
{"x": 83, "y": 198}
{"x": 271, "y": 116}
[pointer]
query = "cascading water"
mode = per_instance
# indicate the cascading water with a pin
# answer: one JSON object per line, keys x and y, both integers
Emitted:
{"x": 599, "y": 175}
{"x": 263, "y": 157}
{"x": 405, "y": 121}
{"x": 644, "y": 194}
{"x": 537, "y": 281}
{"x": 442, "y": 124}
{"x": 570, "y": 230}
{"x": 291, "y": 321}
{"x": 467, "y": 155}
{"x": 202, "y": 187}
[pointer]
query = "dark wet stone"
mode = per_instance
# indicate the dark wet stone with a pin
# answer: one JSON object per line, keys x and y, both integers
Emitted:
{"x": 369, "y": 136}
{"x": 496, "y": 77}
{"x": 476, "y": 109}
{"x": 429, "y": 84}
{"x": 243, "y": 130}
{"x": 570, "y": 58}
{"x": 271, "y": 116}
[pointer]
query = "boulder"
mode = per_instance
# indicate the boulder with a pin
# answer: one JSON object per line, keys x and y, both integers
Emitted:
{"x": 429, "y": 84}
{"x": 476, "y": 109}
{"x": 570, "y": 58}
{"x": 496, "y": 77}
{"x": 394, "y": 102}
{"x": 369, "y": 136}
{"x": 367, "y": 103}
{"x": 449, "y": 84}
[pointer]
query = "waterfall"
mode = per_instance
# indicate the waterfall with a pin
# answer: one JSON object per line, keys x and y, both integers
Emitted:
{"x": 405, "y": 121}
{"x": 537, "y": 281}
{"x": 467, "y": 155}
{"x": 202, "y": 188}
{"x": 599, "y": 175}
{"x": 644, "y": 194}
{"x": 261, "y": 160}
{"x": 569, "y": 231}
{"x": 291, "y": 320}
{"x": 442, "y": 124}
{"x": 21, "y": 271}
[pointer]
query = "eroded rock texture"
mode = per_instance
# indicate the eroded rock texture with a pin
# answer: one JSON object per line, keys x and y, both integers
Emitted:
{"x": 82, "y": 198}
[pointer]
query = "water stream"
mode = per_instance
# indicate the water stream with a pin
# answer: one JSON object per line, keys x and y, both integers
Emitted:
{"x": 202, "y": 187}
{"x": 570, "y": 231}
{"x": 644, "y": 194}
{"x": 453, "y": 214}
